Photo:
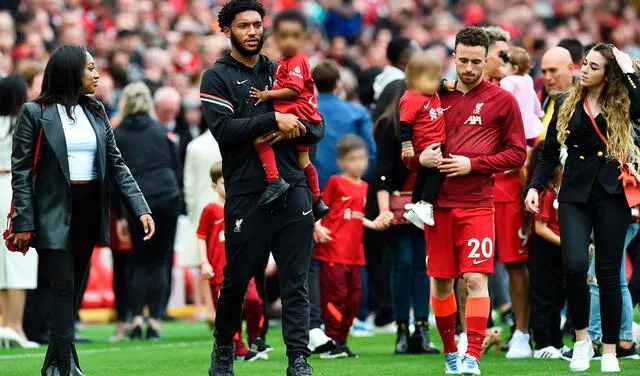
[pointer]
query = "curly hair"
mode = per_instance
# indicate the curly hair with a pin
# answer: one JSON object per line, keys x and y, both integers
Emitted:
{"x": 233, "y": 7}
{"x": 614, "y": 103}
{"x": 473, "y": 36}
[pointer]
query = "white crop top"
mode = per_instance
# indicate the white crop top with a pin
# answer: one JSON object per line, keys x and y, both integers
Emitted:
{"x": 82, "y": 145}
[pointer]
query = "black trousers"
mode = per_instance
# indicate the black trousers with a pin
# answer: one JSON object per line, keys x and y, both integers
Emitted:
{"x": 428, "y": 182}
{"x": 286, "y": 228}
{"x": 315, "y": 316}
{"x": 148, "y": 282}
{"x": 120, "y": 285}
{"x": 547, "y": 292}
{"x": 65, "y": 270}
{"x": 608, "y": 216}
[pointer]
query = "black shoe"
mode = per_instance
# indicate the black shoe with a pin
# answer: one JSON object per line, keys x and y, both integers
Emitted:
{"x": 78, "y": 339}
{"x": 152, "y": 334}
{"x": 259, "y": 346}
{"x": 350, "y": 353}
{"x": 167, "y": 317}
{"x": 273, "y": 191}
{"x": 299, "y": 367}
{"x": 320, "y": 209}
{"x": 402, "y": 338}
{"x": 75, "y": 370}
{"x": 338, "y": 351}
{"x": 252, "y": 356}
{"x": 420, "y": 342}
{"x": 222, "y": 360}
{"x": 629, "y": 353}
{"x": 136, "y": 334}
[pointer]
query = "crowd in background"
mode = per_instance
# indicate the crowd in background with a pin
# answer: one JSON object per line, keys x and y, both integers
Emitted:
{"x": 168, "y": 44}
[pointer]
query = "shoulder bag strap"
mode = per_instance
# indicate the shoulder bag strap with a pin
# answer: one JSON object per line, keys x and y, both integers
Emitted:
{"x": 593, "y": 122}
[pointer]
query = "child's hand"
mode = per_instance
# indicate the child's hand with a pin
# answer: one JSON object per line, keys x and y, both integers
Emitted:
{"x": 450, "y": 85}
{"x": 206, "y": 271}
{"x": 323, "y": 234}
{"x": 261, "y": 96}
{"x": 407, "y": 153}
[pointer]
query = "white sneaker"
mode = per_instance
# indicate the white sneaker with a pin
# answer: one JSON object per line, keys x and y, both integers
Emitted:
{"x": 361, "y": 329}
{"x": 548, "y": 352}
{"x": 609, "y": 363}
{"x": 582, "y": 354}
{"x": 519, "y": 347}
{"x": 318, "y": 340}
{"x": 424, "y": 211}
{"x": 412, "y": 217}
{"x": 452, "y": 364}
{"x": 470, "y": 366}
{"x": 390, "y": 328}
{"x": 462, "y": 344}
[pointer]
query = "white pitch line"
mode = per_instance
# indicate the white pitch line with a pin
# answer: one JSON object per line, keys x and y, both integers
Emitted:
{"x": 113, "y": 349}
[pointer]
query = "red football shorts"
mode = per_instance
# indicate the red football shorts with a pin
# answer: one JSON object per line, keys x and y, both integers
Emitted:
{"x": 462, "y": 241}
{"x": 512, "y": 245}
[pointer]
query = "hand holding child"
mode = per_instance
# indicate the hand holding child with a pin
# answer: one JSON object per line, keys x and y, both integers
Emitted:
{"x": 206, "y": 271}
{"x": 323, "y": 234}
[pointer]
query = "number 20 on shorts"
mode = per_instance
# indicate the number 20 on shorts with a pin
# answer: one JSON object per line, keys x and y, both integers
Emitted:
{"x": 484, "y": 246}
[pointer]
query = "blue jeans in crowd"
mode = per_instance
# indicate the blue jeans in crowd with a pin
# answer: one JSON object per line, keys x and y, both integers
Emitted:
{"x": 626, "y": 328}
{"x": 409, "y": 281}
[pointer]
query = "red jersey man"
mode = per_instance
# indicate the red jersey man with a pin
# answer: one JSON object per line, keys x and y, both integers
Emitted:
{"x": 211, "y": 247}
{"x": 485, "y": 135}
{"x": 293, "y": 92}
{"x": 340, "y": 249}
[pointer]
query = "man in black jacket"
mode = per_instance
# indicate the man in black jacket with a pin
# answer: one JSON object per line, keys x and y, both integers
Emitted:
{"x": 251, "y": 231}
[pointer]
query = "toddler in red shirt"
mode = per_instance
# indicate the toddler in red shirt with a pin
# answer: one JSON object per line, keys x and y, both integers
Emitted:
{"x": 422, "y": 124}
{"x": 293, "y": 92}
{"x": 211, "y": 247}
{"x": 340, "y": 249}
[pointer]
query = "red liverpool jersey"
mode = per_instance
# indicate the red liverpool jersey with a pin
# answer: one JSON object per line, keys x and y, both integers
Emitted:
{"x": 346, "y": 200}
{"x": 211, "y": 229}
{"x": 424, "y": 113}
{"x": 295, "y": 73}
{"x": 549, "y": 210}
{"x": 508, "y": 187}
{"x": 484, "y": 125}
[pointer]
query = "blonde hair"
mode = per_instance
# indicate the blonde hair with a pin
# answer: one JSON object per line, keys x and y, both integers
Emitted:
{"x": 136, "y": 99}
{"x": 614, "y": 103}
{"x": 520, "y": 57}
{"x": 423, "y": 62}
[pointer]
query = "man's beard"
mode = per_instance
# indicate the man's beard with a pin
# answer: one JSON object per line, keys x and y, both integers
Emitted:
{"x": 237, "y": 44}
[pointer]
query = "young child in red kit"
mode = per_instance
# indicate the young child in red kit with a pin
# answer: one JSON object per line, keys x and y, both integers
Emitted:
{"x": 340, "y": 249}
{"x": 211, "y": 247}
{"x": 293, "y": 92}
{"x": 422, "y": 124}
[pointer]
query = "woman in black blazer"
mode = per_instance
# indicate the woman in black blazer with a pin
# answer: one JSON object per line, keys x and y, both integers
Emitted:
{"x": 153, "y": 159}
{"x": 64, "y": 211}
{"x": 591, "y": 198}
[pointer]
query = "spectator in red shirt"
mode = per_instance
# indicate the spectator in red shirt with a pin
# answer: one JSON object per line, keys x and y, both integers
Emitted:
{"x": 212, "y": 260}
{"x": 422, "y": 124}
{"x": 293, "y": 92}
{"x": 545, "y": 267}
{"x": 340, "y": 249}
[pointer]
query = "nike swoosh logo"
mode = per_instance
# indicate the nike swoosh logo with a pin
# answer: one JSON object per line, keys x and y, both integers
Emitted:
{"x": 219, "y": 221}
{"x": 346, "y": 198}
{"x": 476, "y": 262}
{"x": 306, "y": 212}
{"x": 444, "y": 109}
{"x": 241, "y": 82}
{"x": 426, "y": 106}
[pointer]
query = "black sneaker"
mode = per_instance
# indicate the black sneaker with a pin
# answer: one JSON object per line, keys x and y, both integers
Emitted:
{"x": 629, "y": 353}
{"x": 299, "y": 367}
{"x": 259, "y": 346}
{"x": 152, "y": 334}
{"x": 222, "y": 360}
{"x": 273, "y": 191}
{"x": 350, "y": 353}
{"x": 136, "y": 334}
{"x": 252, "y": 356}
{"x": 320, "y": 209}
{"x": 420, "y": 342}
{"x": 338, "y": 352}
{"x": 402, "y": 339}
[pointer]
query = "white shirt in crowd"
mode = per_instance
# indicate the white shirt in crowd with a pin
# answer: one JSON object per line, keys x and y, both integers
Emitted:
{"x": 82, "y": 145}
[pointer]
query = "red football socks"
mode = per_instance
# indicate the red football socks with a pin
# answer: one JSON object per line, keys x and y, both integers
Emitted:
{"x": 445, "y": 312}
{"x": 268, "y": 159}
{"x": 477, "y": 313}
{"x": 312, "y": 181}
